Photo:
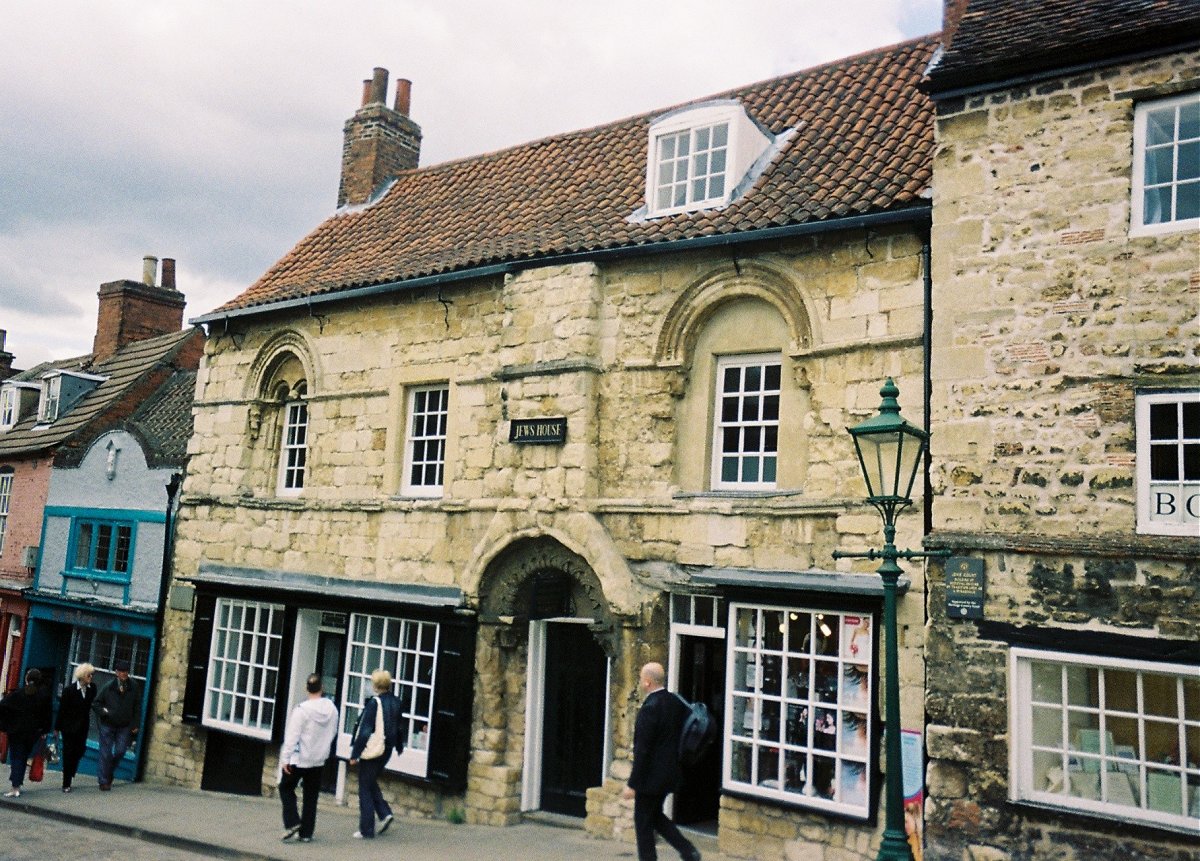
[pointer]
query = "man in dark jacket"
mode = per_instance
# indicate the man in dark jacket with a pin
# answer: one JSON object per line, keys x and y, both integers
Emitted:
{"x": 656, "y": 771}
{"x": 25, "y": 716}
{"x": 118, "y": 706}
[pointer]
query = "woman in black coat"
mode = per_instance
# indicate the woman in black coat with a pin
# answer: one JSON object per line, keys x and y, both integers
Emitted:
{"x": 25, "y": 715}
{"x": 74, "y": 717}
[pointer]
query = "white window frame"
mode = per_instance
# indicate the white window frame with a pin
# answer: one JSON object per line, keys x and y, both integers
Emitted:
{"x": 8, "y": 407}
{"x": 425, "y": 441}
{"x": 1082, "y": 759}
{"x": 50, "y": 396}
{"x": 249, "y": 685}
{"x": 1137, "y": 225}
{"x": 1186, "y": 494}
{"x": 293, "y": 448}
{"x": 768, "y": 718}
{"x": 6, "y": 483}
{"x": 744, "y": 427}
{"x": 745, "y": 143}
{"x": 408, "y": 649}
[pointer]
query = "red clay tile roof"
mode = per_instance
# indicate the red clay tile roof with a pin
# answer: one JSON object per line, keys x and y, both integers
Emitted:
{"x": 864, "y": 145}
{"x": 998, "y": 40}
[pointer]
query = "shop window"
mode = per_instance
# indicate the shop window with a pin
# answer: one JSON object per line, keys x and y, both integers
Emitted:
{"x": 408, "y": 649}
{"x": 1166, "y": 165}
{"x": 6, "y": 483}
{"x": 745, "y": 437}
{"x": 425, "y": 445}
{"x": 702, "y": 611}
{"x": 243, "y": 670}
{"x": 101, "y": 549}
{"x": 799, "y": 725}
{"x": 1108, "y": 736}
{"x": 1168, "y": 463}
{"x": 102, "y": 649}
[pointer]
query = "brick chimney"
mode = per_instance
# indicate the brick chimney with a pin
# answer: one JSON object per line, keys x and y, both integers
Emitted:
{"x": 378, "y": 142}
{"x": 6, "y": 358}
{"x": 952, "y": 15}
{"x": 136, "y": 310}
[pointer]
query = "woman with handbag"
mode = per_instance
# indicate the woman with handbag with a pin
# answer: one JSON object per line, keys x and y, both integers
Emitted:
{"x": 74, "y": 719}
{"x": 25, "y": 715}
{"x": 375, "y": 737}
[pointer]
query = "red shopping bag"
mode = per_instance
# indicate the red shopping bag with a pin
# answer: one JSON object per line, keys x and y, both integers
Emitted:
{"x": 37, "y": 768}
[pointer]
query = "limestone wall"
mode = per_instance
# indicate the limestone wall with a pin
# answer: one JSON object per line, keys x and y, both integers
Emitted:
{"x": 608, "y": 348}
{"x": 1047, "y": 316}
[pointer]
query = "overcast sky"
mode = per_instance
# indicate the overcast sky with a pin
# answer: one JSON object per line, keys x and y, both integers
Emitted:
{"x": 211, "y": 130}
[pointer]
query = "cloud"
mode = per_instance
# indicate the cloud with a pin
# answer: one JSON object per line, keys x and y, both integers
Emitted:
{"x": 210, "y": 130}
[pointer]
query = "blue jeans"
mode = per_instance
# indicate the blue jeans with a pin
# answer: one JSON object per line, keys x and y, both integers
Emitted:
{"x": 19, "y": 753}
{"x": 114, "y": 741}
{"x": 370, "y": 799}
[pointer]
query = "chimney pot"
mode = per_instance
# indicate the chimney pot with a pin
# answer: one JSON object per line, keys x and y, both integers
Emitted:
{"x": 403, "y": 96}
{"x": 149, "y": 269}
{"x": 379, "y": 82}
{"x": 366, "y": 96}
{"x": 168, "y": 273}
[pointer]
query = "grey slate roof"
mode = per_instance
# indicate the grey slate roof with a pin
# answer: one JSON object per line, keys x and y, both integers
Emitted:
{"x": 164, "y": 421}
{"x": 999, "y": 40}
{"x": 124, "y": 370}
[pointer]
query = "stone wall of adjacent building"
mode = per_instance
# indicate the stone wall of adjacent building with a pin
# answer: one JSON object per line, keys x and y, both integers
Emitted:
{"x": 607, "y": 347}
{"x": 1048, "y": 316}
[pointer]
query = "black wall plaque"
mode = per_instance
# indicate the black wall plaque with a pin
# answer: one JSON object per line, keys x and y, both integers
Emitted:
{"x": 538, "y": 431}
{"x": 964, "y": 588}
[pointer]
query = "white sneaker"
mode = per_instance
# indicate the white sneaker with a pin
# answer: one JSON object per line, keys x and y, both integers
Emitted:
{"x": 384, "y": 823}
{"x": 13, "y": 793}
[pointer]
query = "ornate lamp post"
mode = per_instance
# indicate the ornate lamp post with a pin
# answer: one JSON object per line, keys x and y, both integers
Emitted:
{"x": 890, "y": 452}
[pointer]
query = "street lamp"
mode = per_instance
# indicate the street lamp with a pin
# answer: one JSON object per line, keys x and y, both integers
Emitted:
{"x": 890, "y": 452}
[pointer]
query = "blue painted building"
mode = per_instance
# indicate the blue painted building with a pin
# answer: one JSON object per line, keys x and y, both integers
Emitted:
{"x": 104, "y": 550}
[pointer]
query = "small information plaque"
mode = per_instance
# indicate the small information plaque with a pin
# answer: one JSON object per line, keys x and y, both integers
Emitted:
{"x": 964, "y": 588}
{"x": 538, "y": 431}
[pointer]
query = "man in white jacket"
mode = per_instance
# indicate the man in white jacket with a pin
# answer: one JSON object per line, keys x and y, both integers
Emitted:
{"x": 310, "y": 732}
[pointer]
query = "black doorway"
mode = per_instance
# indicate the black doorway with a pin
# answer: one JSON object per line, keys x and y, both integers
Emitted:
{"x": 331, "y": 654}
{"x": 702, "y": 679}
{"x": 572, "y": 718}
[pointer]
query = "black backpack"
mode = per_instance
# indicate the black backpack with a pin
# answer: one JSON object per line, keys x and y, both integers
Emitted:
{"x": 698, "y": 734}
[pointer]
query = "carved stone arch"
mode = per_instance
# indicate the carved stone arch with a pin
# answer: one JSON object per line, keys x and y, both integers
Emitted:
{"x": 749, "y": 279}
{"x": 508, "y": 582}
{"x": 281, "y": 346}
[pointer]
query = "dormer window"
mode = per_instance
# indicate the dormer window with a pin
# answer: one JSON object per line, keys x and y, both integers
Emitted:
{"x": 17, "y": 402}
{"x": 48, "y": 407}
{"x": 61, "y": 390}
{"x": 702, "y": 157}
{"x": 8, "y": 407}
{"x": 691, "y": 167}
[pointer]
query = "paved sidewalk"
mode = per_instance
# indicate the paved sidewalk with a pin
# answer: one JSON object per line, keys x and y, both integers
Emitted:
{"x": 247, "y": 827}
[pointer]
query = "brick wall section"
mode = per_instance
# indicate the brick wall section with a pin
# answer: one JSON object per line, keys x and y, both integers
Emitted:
{"x": 1047, "y": 317}
{"x": 31, "y": 482}
{"x": 132, "y": 311}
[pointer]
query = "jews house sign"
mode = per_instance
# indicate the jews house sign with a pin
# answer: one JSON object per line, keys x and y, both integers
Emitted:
{"x": 551, "y": 431}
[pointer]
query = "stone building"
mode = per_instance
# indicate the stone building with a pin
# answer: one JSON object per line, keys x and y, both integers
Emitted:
{"x": 1063, "y": 701}
{"x": 513, "y": 425}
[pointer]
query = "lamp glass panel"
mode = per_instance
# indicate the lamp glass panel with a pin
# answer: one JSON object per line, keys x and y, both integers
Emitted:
{"x": 908, "y": 462}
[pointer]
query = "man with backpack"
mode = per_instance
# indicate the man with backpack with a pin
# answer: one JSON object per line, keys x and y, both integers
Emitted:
{"x": 656, "y": 769}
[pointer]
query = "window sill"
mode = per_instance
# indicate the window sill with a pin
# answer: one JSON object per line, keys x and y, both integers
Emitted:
{"x": 1116, "y": 825}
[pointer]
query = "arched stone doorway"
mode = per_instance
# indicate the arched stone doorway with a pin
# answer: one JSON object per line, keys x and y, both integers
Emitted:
{"x": 547, "y": 637}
